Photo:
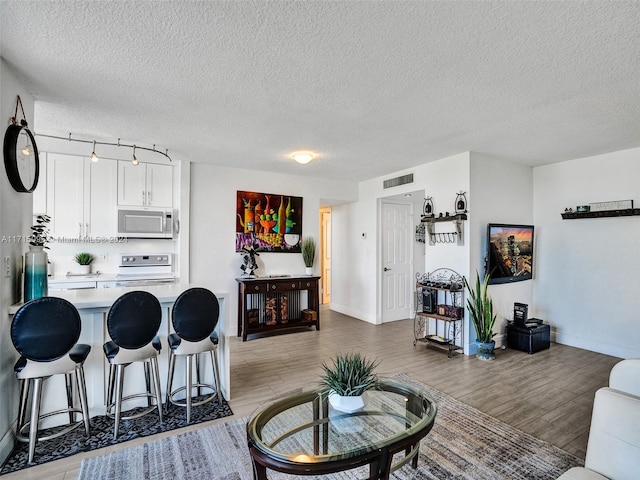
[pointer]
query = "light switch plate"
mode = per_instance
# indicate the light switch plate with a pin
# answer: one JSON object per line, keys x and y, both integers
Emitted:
{"x": 7, "y": 267}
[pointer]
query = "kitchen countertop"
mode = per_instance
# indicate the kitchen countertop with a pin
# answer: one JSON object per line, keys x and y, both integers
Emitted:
{"x": 104, "y": 297}
{"x": 77, "y": 277}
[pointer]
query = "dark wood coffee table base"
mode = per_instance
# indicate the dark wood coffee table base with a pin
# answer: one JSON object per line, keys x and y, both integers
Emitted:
{"x": 379, "y": 462}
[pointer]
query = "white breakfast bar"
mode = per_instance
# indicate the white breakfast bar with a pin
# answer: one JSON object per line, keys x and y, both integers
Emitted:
{"x": 93, "y": 305}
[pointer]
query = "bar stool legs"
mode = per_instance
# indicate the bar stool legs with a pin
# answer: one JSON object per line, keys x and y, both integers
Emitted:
{"x": 33, "y": 387}
{"x": 116, "y": 386}
{"x": 189, "y": 385}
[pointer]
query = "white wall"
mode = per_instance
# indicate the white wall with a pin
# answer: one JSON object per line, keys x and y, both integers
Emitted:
{"x": 214, "y": 263}
{"x": 502, "y": 192}
{"x": 356, "y": 260}
{"x": 587, "y": 270}
{"x": 15, "y": 220}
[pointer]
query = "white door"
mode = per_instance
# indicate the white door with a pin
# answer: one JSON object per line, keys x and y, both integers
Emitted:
{"x": 396, "y": 261}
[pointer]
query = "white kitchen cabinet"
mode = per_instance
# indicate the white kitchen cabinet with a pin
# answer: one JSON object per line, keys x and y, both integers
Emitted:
{"x": 81, "y": 197}
{"x": 145, "y": 185}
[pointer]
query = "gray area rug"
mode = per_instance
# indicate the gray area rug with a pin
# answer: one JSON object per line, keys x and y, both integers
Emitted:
{"x": 463, "y": 444}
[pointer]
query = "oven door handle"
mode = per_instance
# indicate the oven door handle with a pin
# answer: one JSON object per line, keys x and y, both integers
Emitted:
{"x": 142, "y": 283}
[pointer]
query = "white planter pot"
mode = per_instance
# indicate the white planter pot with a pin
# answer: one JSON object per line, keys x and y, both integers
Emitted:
{"x": 347, "y": 404}
{"x": 84, "y": 269}
{"x": 308, "y": 270}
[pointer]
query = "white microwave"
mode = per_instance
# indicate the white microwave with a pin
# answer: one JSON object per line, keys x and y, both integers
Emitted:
{"x": 146, "y": 223}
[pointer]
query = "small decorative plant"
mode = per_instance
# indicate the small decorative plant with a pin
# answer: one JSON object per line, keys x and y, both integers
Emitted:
{"x": 308, "y": 247}
{"x": 481, "y": 309}
{"x": 349, "y": 375}
{"x": 84, "y": 258}
{"x": 40, "y": 232}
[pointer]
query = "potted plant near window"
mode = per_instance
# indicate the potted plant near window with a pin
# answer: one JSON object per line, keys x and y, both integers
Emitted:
{"x": 481, "y": 311}
{"x": 347, "y": 380}
{"x": 308, "y": 247}
{"x": 84, "y": 259}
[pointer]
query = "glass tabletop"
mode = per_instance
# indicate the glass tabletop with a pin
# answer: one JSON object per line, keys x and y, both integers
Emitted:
{"x": 302, "y": 427}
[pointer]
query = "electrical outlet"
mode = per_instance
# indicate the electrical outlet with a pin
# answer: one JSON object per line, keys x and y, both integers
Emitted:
{"x": 7, "y": 267}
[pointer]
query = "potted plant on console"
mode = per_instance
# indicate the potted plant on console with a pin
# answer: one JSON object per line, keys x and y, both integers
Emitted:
{"x": 481, "y": 312}
{"x": 308, "y": 247}
{"x": 347, "y": 380}
{"x": 84, "y": 259}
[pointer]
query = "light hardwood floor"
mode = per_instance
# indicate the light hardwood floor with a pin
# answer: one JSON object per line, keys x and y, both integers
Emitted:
{"x": 548, "y": 394}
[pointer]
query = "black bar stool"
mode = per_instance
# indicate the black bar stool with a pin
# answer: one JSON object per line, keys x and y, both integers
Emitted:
{"x": 133, "y": 322}
{"x": 194, "y": 316}
{"x": 44, "y": 331}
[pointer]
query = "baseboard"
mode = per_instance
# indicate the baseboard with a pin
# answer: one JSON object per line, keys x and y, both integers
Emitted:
{"x": 349, "y": 311}
{"x": 600, "y": 345}
{"x": 7, "y": 443}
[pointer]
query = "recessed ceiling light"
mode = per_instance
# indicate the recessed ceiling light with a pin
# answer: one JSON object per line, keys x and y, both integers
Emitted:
{"x": 303, "y": 156}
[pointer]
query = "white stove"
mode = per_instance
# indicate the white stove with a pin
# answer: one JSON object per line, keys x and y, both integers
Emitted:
{"x": 145, "y": 269}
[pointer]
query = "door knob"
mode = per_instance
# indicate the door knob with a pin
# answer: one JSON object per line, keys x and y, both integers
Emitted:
{"x": 386, "y": 269}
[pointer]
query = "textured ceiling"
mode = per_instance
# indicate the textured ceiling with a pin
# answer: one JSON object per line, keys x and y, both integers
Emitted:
{"x": 373, "y": 86}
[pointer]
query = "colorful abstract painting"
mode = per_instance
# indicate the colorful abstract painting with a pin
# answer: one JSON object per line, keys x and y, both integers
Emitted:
{"x": 269, "y": 222}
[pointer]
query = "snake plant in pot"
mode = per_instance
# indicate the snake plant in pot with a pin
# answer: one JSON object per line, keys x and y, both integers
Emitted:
{"x": 481, "y": 312}
{"x": 308, "y": 248}
{"x": 347, "y": 380}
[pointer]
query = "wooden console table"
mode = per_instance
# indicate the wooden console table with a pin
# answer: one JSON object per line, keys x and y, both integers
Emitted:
{"x": 275, "y": 303}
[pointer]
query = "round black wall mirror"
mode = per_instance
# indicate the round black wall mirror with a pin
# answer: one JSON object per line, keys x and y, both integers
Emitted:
{"x": 21, "y": 160}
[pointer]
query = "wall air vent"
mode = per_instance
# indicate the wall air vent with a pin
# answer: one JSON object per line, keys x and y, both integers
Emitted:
{"x": 394, "y": 182}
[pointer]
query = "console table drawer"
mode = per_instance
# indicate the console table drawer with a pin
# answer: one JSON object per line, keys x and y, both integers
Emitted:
{"x": 284, "y": 286}
{"x": 256, "y": 288}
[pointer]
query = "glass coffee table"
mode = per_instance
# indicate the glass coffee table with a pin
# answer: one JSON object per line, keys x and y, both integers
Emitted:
{"x": 301, "y": 434}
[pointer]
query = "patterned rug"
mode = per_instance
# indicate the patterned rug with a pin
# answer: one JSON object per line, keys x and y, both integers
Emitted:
{"x": 102, "y": 434}
{"x": 463, "y": 444}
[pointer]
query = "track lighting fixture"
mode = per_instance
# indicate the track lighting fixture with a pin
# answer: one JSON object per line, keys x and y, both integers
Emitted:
{"x": 94, "y": 157}
{"x": 134, "y": 160}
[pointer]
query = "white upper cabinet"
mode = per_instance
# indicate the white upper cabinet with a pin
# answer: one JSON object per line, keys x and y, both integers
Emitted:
{"x": 145, "y": 185}
{"x": 81, "y": 197}
{"x": 40, "y": 193}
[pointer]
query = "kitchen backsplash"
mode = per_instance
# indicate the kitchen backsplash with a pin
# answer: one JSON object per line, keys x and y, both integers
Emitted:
{"x": 107, "y": 255}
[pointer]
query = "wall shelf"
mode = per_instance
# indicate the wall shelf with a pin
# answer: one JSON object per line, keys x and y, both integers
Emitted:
{"x": 449, "y": 218}
{"x": 627, "y": 212}
{"x": 456, "y": 237}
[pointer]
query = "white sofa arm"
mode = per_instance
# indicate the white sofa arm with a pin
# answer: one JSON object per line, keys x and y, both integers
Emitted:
{"x": 580, "y": 473}
{"x": 625, "y": 376}
{"x": 614, "y": 437}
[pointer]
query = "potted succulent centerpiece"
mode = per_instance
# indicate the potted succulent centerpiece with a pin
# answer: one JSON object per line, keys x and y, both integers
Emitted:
{"x": 347, "y": 380}
{"x": 84, "y": 259}
{"x": 481, "y": 311}
{"x": 308, "y": 248}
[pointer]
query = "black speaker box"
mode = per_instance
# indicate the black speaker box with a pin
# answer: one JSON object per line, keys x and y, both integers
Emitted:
{"x": 520, "y": 314}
